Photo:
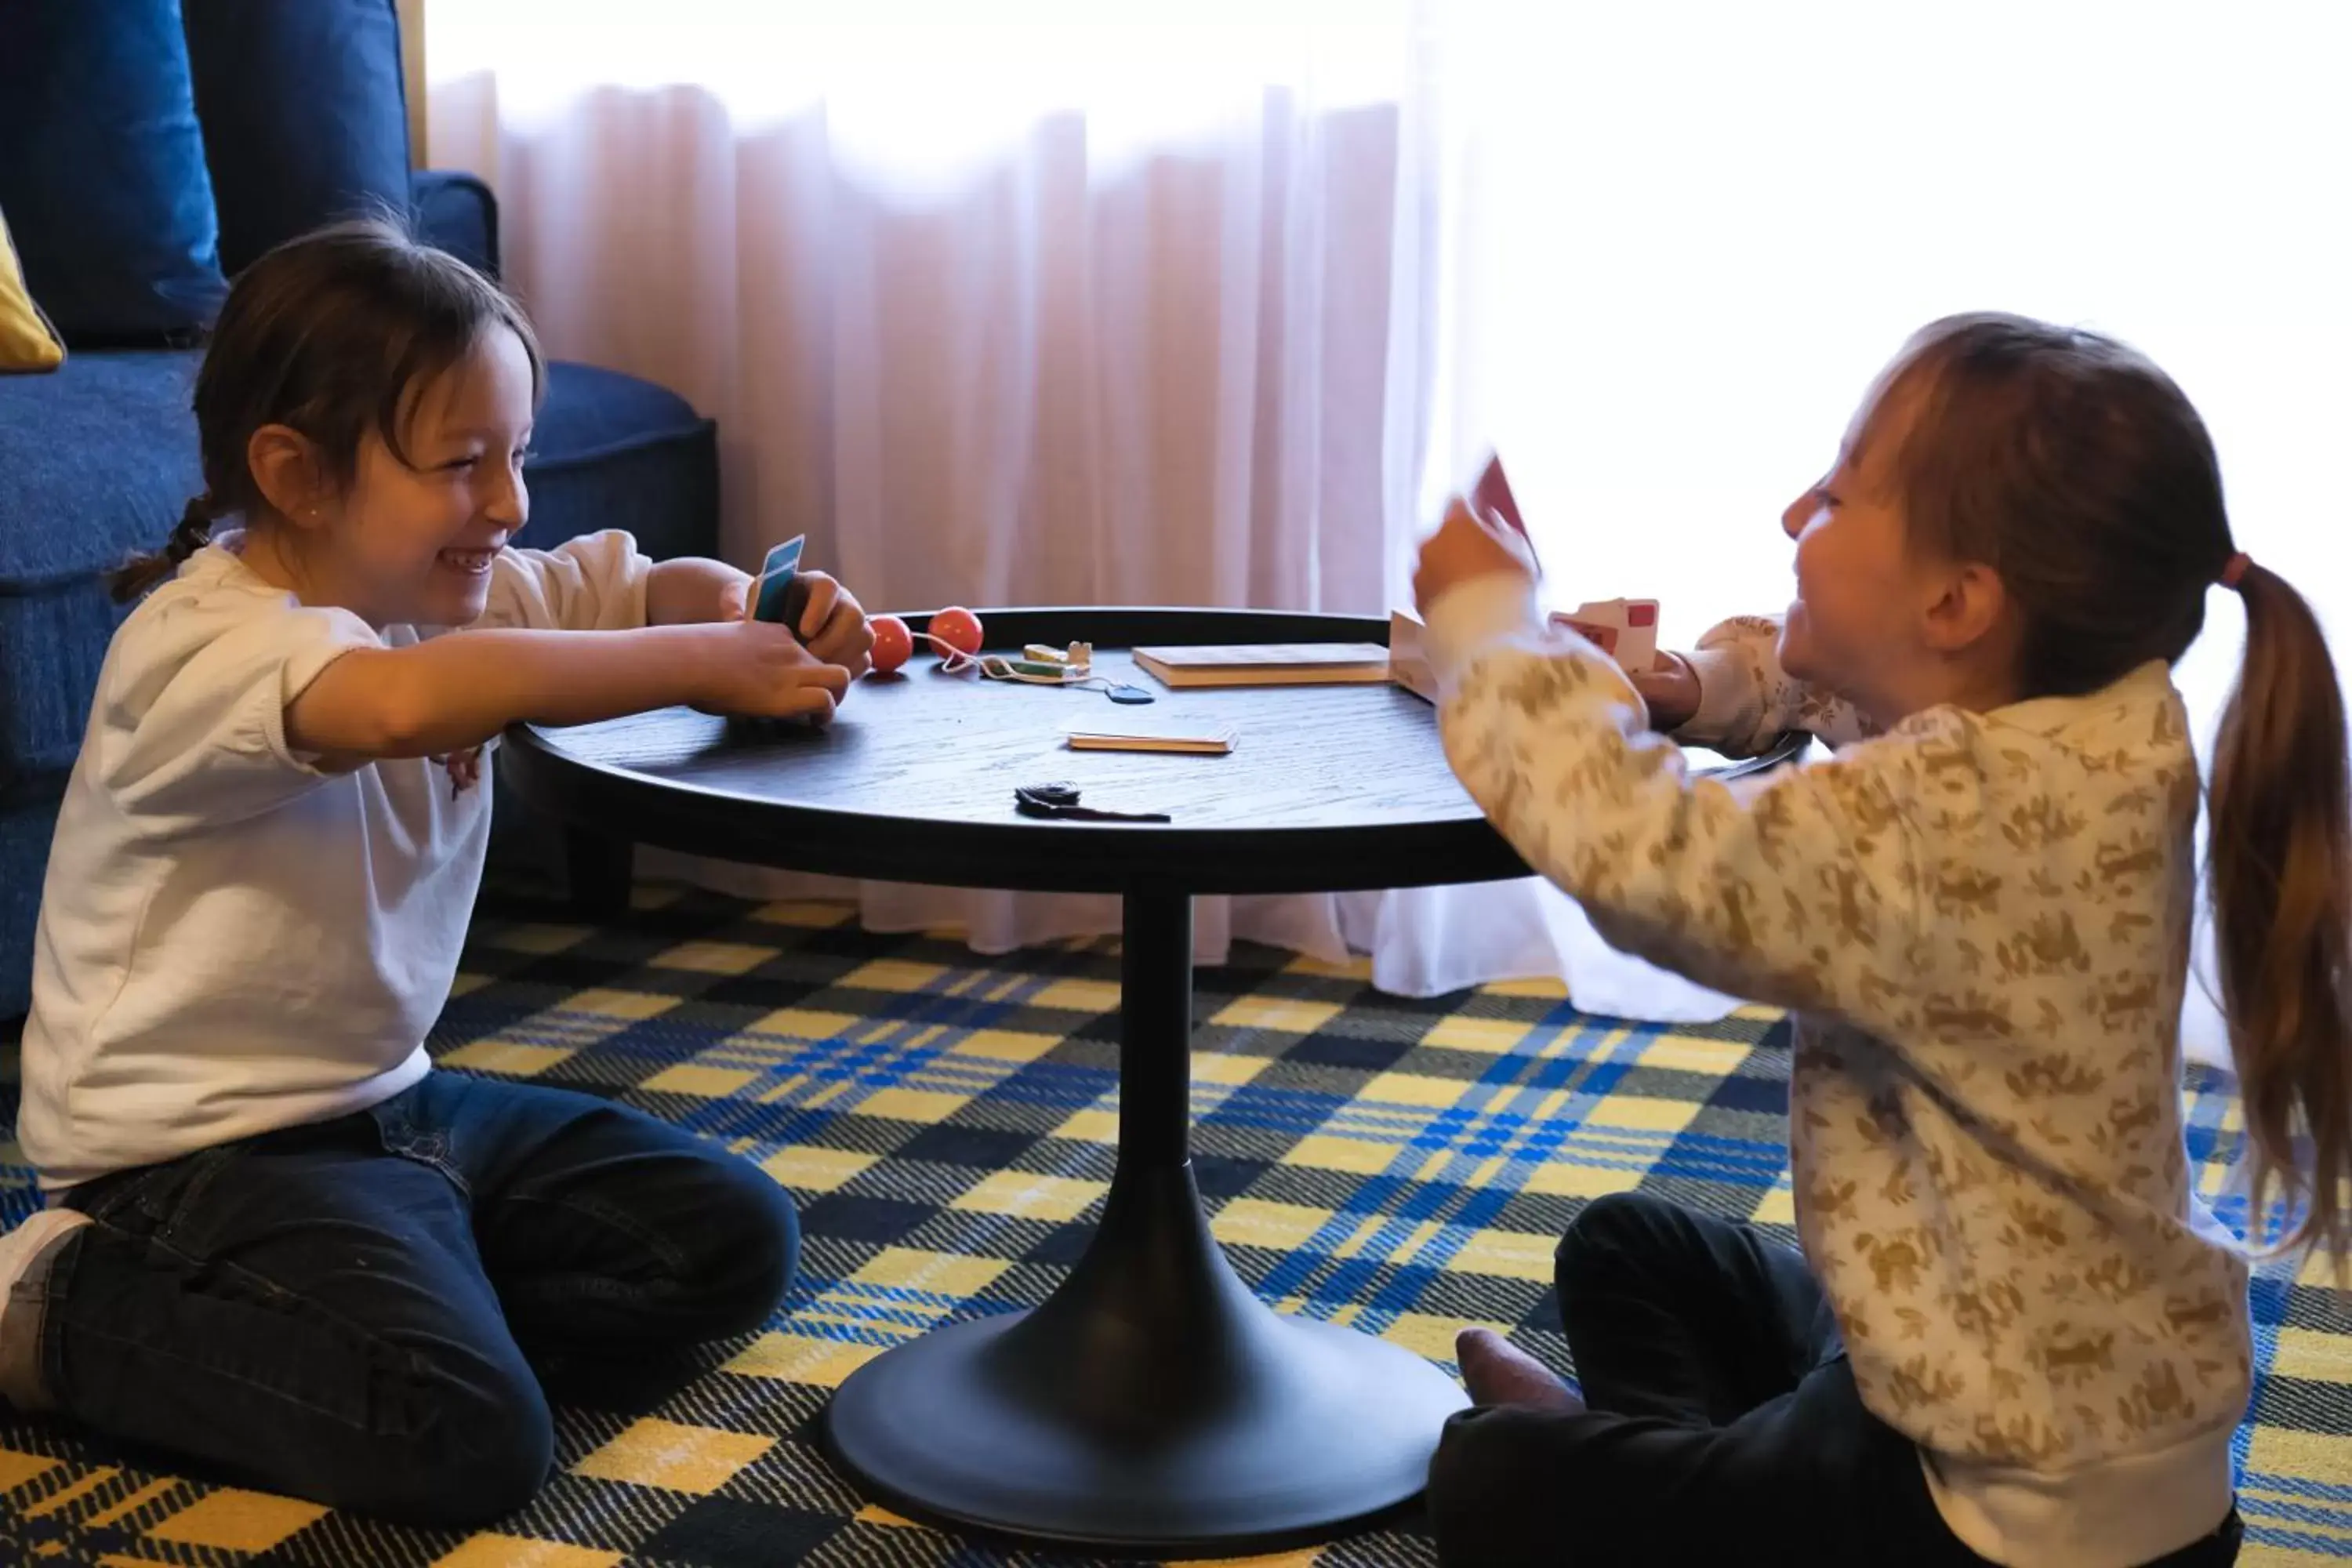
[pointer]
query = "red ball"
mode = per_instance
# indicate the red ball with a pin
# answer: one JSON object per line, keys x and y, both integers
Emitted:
{"x": 958, "y": 628}
{"x": 893, "y": 643}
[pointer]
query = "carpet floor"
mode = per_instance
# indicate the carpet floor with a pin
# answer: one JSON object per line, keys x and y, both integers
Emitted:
{"x": 945, "y": 1124}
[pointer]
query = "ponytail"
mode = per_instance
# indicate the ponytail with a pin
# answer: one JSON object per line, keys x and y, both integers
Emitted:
{"x": 2279, "y": 872}
{"x": 144, "y": 571}
{"x": 2083, "y": 474}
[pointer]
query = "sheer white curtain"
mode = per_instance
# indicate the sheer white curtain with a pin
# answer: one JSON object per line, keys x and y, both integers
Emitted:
{"x": 1207, "y": 303}
{"x": 1695, "y": 232}
{"x": 1028, "y": 302}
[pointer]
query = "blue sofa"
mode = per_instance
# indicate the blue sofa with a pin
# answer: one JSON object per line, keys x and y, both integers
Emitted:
{"x": 98, "y": 458}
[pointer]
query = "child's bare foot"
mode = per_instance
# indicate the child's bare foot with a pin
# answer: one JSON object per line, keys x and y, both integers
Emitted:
{"x": 1497, "y": 1371}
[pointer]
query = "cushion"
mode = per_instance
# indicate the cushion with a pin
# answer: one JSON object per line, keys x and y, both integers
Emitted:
{"x": 328, "y": 139}
{"x": 102, "y": 169}
{"x": 100, "y": 459}
{"x": 613, "y": 451}
{"x": 26, "y": 830}
{"x": 456, "y": 212}
{"x": 26, "y": 341}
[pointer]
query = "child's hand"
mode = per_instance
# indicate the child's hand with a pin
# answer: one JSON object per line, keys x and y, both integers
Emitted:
{"x": 465, "y": 769}
{"x": 833, "y": 623}
{"x": 1671, "y": 688}
{"x": 1467, "y": 546}
{"x": 757, "y": 669}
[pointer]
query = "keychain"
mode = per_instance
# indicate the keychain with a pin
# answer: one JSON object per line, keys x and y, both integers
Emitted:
{"x": 956, "y": 635}
{"x": 995, "y": 666}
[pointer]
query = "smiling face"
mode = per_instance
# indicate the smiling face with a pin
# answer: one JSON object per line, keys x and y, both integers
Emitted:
{"x": 409, "y": 538}
{"x": 1855, "y": 591}
{"x": 413, "y": 538}
{"x": 1889, "y": 624}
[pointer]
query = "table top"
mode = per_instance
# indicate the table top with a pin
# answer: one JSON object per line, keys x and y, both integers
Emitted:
{"x": 1328, "y": 788}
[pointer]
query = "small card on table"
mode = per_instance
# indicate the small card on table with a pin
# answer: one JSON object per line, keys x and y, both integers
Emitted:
{"x": 1191, "y": 738}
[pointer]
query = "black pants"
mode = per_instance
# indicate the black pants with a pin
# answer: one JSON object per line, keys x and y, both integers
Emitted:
{"x": 357, "y": 1311}
{"x": 1724, "y": 1424}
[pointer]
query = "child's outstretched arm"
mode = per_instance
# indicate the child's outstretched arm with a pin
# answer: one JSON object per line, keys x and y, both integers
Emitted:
{"x": 569, "y": 636}
{"x": 1732, "y": 695}
{"x": 1800, "y": 892}
{"x": 447, "y": 693}
{"x": 600, "y": 583}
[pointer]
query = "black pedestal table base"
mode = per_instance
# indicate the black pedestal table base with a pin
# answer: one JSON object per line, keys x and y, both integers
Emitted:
{"x": 1153, "y": 1403}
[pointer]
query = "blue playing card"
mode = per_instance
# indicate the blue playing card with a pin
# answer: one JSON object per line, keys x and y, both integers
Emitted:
{"x": 776, "y": 575}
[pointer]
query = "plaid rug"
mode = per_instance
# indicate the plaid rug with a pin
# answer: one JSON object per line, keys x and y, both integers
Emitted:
{"x": 945, "y": 1124}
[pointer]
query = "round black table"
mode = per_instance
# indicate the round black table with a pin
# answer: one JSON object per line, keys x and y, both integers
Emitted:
{"x": 1152, "y": 1405}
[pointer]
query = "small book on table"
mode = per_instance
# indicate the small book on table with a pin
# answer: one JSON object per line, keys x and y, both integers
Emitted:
{"x": 1267, "y": 664}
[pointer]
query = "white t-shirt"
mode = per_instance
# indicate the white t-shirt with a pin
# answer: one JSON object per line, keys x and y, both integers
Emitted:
{"x": 230, "y": 940}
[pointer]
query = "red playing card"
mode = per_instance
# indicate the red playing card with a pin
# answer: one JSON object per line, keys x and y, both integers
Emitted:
{"x": 1492, "y": 497}
{"x": 1600, "y": 636}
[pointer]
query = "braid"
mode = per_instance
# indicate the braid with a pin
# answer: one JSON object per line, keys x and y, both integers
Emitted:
{"x": 190, "y": 534}
{"x": 193, "y": 532}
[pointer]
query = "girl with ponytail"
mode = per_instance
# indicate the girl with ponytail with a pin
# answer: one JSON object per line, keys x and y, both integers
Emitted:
{"x": 2014, "y": 1333}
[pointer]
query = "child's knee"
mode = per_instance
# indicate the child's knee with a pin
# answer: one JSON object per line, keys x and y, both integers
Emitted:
{"x": 1457, "y": 1481}
{"x": 751, "y": 1246}
{"x": 476, "y": 1445}
{"x": 499, "y": 1474}
{"x": 1486, "y": 1492}
{"x": 1602, "y": 1233}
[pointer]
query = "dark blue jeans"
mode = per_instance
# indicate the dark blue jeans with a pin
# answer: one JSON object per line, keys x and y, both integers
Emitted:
{"x": 359, "y": 1311}
{"x": 1724, "y": 1424}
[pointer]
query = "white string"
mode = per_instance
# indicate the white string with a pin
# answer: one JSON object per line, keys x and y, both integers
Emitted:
{"x": 953, "y": 660}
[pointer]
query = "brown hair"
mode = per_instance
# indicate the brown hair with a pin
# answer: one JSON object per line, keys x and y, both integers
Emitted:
{"x": 332, "y": 334}
{"x": 2078, "y": 470}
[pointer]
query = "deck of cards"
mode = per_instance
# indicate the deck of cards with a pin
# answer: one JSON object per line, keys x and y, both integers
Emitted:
{"x": 770, "y": 595}
{"x": 1625, "y": 629}
{"x": 1409, "y": 655}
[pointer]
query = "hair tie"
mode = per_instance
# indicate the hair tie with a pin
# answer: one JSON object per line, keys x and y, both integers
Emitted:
{"x": 2234, "y": 571}
{"x": 194, "y": 530}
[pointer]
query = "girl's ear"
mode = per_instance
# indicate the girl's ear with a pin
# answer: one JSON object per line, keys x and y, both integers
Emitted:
{"x": 287, "y": 470}
{"x": 1971, "y": 606}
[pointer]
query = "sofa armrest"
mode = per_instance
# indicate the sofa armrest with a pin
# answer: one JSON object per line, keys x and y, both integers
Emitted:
{"x": 456, "y": 212}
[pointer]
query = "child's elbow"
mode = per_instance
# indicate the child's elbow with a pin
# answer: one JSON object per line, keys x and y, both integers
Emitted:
{"x": 398, "y": 728}
{"x": 357, "y": 708}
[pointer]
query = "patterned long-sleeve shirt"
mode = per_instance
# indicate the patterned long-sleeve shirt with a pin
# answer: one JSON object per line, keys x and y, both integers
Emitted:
{"x": 1747, "y": 701}
{"x": 1981, "y": 923}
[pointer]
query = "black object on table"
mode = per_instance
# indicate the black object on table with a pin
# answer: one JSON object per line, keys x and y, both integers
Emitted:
{"x": 1152, "y": 1405}
{"x": 1064, "y": 803}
